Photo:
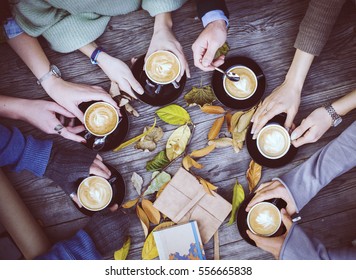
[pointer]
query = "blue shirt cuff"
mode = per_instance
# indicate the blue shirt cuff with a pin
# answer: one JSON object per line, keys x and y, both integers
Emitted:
{"x": 213, "y": 16}
{"x": 12, "y": 29}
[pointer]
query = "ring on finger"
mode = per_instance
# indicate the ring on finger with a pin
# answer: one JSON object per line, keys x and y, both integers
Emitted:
{"x": 58, "y": 128}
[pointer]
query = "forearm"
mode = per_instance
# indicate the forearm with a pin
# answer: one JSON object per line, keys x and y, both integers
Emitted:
{"x": 345, "y": 104}
{"x": 299, "y": 69}
{"x": 12, "y": 107}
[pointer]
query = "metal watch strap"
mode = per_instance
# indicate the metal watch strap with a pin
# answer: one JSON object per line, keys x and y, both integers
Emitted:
{"x": 53, "y": 71}
{"x": 336, "y": 119}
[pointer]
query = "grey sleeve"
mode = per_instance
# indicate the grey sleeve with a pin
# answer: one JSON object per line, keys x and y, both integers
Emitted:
{"x": 336, "y": 158}
{"x": 298, "y": 246}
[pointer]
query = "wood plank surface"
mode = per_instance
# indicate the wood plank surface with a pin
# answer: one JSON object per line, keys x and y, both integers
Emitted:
{"x": 262, "y": 30}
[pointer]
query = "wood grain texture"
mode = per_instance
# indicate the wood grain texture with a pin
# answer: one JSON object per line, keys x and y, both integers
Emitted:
{"x": 262, "y": 30}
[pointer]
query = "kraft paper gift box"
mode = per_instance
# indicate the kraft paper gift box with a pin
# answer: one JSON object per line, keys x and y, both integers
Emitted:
{"x": 184, "y": 199}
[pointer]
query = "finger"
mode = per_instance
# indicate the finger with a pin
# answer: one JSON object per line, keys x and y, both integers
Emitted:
{"x": 135, "y": 84}
{"x": 134, "y": 59}
{"x": 300, "y": 130}
{"x": 264, "y": 118}
{"x": 96, "y": 170}
{"x": 255, "y": 237}
{"x": 209, "y": 55}
{"x": 76, "y": 129}
{"x": 218, "y": 61}
{"x": 289, "y": 120}
{"x": 103, "y": 167}
{"x": 101, "y": 97}
{"x": 125, "y": 86}
{"x": 264, "y": 186}
{"x": 99, "y": 157}
{"x": 261, "y": 197}
{"x": 198, "y": 53}
{"x": 184, "y": 65}
{"x": 71, "y": 136}
{"x": 60, "y": 110}
{"x": 114, "y": 207}
{"x": 62, "y": 119}
{"x": 286, "y": 219}
{"x": 308, "y": 137}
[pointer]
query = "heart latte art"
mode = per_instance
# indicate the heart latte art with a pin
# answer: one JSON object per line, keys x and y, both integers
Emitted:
{"x": 162, "y": 67}
{"x": 245, "y": 87}
{"x": 94, "y": 193}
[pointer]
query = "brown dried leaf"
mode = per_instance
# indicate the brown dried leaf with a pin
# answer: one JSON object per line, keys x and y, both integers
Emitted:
{"x": 114, "y": 89}
{"x": 150, "y": 140}
{"x": 239, "y": 136}
{"x": 235, "y": 119}
{"x": 208, "y": 187}
{"x": 196, "y": 164}
{"x": 211, "y": 109}
{"x": 203, "y": 152}
{"x": 236, "y": 146}
{"x": 221, "y": 142}
{"x": 253, "y": 174}
{"x": 216, "y": 127}
{"x": 245, "y": 119}
{"x": 130, "y": 203}
{"x": 143, "y": 219}
{"x": 200, "y": 96}
{"x": 131, "y": 110}
{"x": 152, "y": 213}
{"x": 228, "y": 117}
{"x": 187, "y": 162}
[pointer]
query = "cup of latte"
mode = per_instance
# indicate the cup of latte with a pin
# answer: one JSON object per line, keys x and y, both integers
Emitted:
{"x": 162, "y": 67}
{"x": 101, "y": 119}
{"x": 94, "y": 193}
{"x": 273, "y": 141}
{"x": 245, "y": 87}
{"x": 264, "y": 219}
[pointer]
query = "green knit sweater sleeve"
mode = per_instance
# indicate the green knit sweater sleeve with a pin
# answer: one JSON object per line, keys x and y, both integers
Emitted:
{"x": 155, "y": 7}
{"x": 317, "y": 25}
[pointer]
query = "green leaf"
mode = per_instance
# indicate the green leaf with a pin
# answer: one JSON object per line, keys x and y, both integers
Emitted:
{"x": 237, "y": 197}
{"x": 124, "y": 251}
{"x": 173, "y": 114}
{"x": 158, "y": 162}
{"x": 158, "y": 182}
{"x": 177, "y": 142}
{"x": 223, "y": 50}
{"x": 200, "y": 96}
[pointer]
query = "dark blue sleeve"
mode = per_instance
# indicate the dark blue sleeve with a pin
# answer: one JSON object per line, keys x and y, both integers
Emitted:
{"x": 79, "y": 247}
{"x": 23, "y": 153}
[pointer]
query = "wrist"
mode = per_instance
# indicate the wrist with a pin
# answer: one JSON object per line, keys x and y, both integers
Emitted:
{"x": 293, "y": 85}
{"x": 163, "y": 21}
{"x": 219, "y": 24}
{"x": 51, "y": 84}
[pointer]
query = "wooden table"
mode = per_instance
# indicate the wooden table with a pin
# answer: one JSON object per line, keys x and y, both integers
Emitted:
{"x": 262, "y": 30}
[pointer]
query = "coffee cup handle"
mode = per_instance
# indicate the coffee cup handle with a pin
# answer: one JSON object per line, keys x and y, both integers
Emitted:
{"x": 278, "y": 202}
{"x": 87, "y": 135}
{"x": 158, "y": 89}
{"x": 176, "y": 84}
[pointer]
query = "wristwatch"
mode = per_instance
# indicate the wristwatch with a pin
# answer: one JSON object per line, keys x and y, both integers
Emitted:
{"x": 53, "y": 71}
{"x": 336, "y": 119}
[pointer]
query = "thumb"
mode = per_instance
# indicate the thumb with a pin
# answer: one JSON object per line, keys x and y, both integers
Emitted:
{"x": 286, "y": 219}
{"x": 289, "y": 121}
{"x": 209, "y": 56}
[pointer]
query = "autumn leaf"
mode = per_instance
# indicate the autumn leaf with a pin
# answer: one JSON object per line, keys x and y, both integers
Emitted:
{"x": 200, "y": 96}
{"x": 158, "y": 162}
{"x": 208, "y": 187}
{"x": 188, "y": 162}
{"x": 203, "y": 152}
{"x": 114, "y": 89}
{"x": 177, "y": 142}
{"x": 152, "y": 213}
{"x": 158, "y": 181}
{"x": 124, "y": 251}
{"x": 143, "y": 219}
{"x": 137, "y": 182}
{"x": 216, "y": 127}
{"x": 161, "y": 189}
{"x": 130, "y": 203}
{"x": 210, "y": 109}
{"x": 223, "y": 50}
{"x": 245, "y": 119}
{"x": 150, "y": 140}
{"x": 135, "y": 139}
{"x": 228, "y": 117}
{"x": 235, "y": 119}
{"x": 221, "y": 142}
{"x": 173, "y": 114}
{"x": 253, "y": 174}
{"x": 131, "y": 110}
{"x": 149, "y": 250}
{"x": 238, "y": 195}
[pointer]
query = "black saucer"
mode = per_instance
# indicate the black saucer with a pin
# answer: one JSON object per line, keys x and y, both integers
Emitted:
{"x": 115, "y": 138}
{"x": 224, "y": 98}
{"x": 118, "y": 188}
{"x": 259, "y": 158}
{"x": 167, "y": 93}
{"x": 242, "y": 218}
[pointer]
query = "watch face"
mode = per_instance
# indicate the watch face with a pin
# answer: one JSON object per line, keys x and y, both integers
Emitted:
{"x": 337, "y": 121}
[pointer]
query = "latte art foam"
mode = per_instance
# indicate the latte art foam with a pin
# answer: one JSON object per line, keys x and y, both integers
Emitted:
{"x": 273, "y": 141}
{"x": 245, "y": 87}
{"x": 94, "y": 193}
{"x": 101, "y": 118}
{"x": 264, "y": 219}
{"x": 162, "y": 67}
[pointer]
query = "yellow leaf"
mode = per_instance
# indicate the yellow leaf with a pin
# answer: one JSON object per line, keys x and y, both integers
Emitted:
{"x": 238, "y": 195}
{"x": 211, "y": 109}
{"x": 239, "y": 136}
{"x": 196, "y": 164}
{"x": 253, "y": 175}
{"x": 208, "y": 187}
{"x": 149, "y": 250}
{"x": 130, "y": 203}
{"x": 221, "y": 142}
{"x": 177, "y": 142}
{"x": 245, "y": 119}
{"x": 215, "y": 129}
{"x": 143, "y": 219}
{"x": 152, "y": 213}
{"x": 235, "y": 119}
{"x": 161, "y": 190}
{"x": 187, "y": 162}
{"x": 173, "y": 114}
{"x": 228, "y": 117}
{"x": 124, "y": 251}
{"x": 203, "y": 152}
{"x": 135, "y": 139}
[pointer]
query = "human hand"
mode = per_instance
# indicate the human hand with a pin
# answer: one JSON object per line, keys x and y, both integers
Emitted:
{"x": 273, "y": 189}
{"x": 273, "y": 244}
{"x": 42, "y": 114}
{"x": 70, "y": 95}
{"x": 119, "y": 72}
{"x": 312, "y": 128}
{"x": 164, "y": 39}
{"x": 205, "y": 46}
{"x": 284, "y": 99}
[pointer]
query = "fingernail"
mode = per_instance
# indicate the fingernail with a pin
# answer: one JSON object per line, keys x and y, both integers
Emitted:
{"x": 83, "y": 142}
{"x": 283, "y": 211}
{"x": 254, "y": 137}
{"x": 205, "y": 63}
{"x": 140, "y": 91}
{"x": 293, "y": 136}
